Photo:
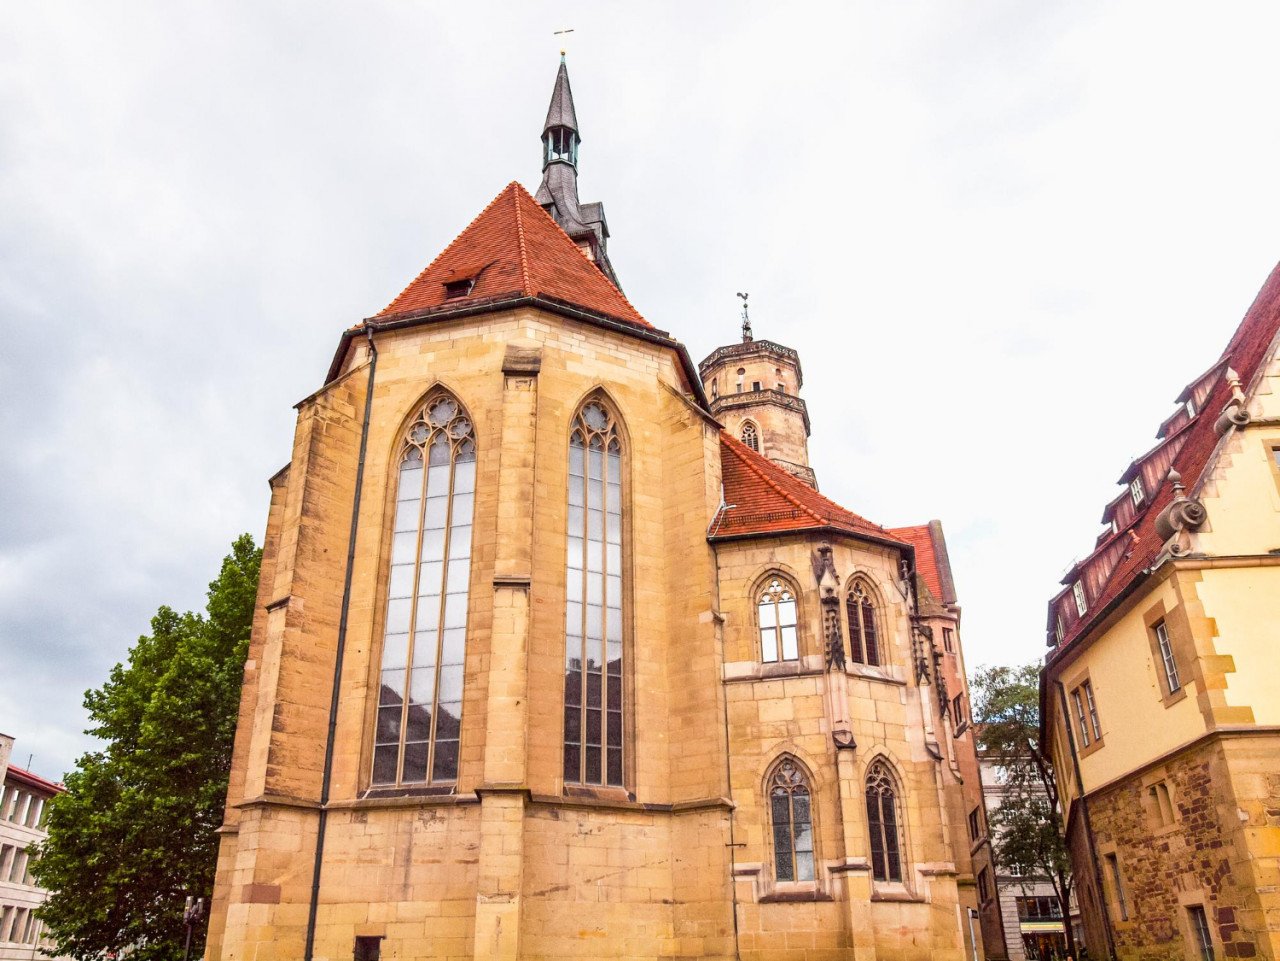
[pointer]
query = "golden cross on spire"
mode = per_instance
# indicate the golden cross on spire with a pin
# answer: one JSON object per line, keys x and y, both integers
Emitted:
{"x": 561, "y": 33}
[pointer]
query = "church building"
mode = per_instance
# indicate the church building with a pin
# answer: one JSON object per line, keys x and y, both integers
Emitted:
{"x": 559, "y": 652}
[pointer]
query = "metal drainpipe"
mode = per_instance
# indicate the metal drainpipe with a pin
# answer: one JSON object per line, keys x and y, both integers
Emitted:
{"x": 342, "y": 643}
{"x": 1088, "y": 826}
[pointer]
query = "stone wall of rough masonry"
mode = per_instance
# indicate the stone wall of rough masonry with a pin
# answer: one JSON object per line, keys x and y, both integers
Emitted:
{"x": 1219, "y": 851}
{"x": 513, "y": 863}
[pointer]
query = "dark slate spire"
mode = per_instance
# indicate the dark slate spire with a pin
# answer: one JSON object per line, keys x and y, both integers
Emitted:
{"x": 558, "y": 193}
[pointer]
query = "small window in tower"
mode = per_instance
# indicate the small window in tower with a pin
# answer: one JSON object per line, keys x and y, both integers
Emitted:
{"x": 741, "y": 374}
{"x": 455, "y": 289}
{"x": 782, "y": 388}
{"x": 715, "y": 389}
{"x": 755, "y": 385}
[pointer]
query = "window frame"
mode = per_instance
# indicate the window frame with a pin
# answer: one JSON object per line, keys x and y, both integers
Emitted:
{"x": 1168, "y": 661}
{"x": 1117, "y": 885}
{"x": 870, "y": 602}
{"x": 1078, "y": 595}
{"x": 614, "y": 686}
{"x": 880, "y": 770}
{"x": 1201, "y": 932}
{"x": 788, "y": 777}
{"x": 420, "y": 432}
{"x": 784, "y": 586}
{"x": 1137, "y": 493}
{"x": 750, "y": 426}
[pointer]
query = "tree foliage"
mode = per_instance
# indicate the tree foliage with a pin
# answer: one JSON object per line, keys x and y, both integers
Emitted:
{"x": 1027, "y": 826}
{"x": 135, "y": 832}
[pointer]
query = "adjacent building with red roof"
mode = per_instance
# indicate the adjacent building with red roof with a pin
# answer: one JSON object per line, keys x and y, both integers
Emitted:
{"x": 1160, "y": 694}
{"x": 560, "y": 652}
{"x": 24, "y": 800}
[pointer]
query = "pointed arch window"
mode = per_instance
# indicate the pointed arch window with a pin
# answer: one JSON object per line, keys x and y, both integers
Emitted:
{"x": 882, "y": 821}
{"x": 792, "y": 818}
{"x": 751, "y": 436}
{"x": 424, "y": 642}
{"x": 864, "y": 638}
{"x": 593, "y": 695}
{"x": 777, "y": 614}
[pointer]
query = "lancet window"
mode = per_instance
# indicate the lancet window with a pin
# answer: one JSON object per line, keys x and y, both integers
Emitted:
{"x": 882, "y": 821}
{"x": 750, "y": 436}
{"x": 593, "y": 695}
{"x": 424, "y": 642}
{"x": 864, "y": 638}
{"x": 777, "y": 613}
{"x": 790, "y": 811}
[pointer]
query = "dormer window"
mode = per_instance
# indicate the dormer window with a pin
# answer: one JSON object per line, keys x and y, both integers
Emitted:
{"x": 1136, "y": 492}
{"x": 1057, "y": 629}
{"x": 1077, "y": 591}
{"x": 1190, "y": 407}
{"x": 455, "y": 289}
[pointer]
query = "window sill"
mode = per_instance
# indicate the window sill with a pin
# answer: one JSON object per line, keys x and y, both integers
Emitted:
{"x": 1094, "y": 746}
{"x": 881, "y": 674}
{"x": 795, "y": 897}
{"x": 896, "y": 895}
{"x": 1171, "y": 699}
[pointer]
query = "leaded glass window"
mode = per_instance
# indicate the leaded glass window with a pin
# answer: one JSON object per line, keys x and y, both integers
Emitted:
{"x": 777, "y": 611}
{"x": 750, "y": 436}
{"x": 882, "y": 822}
{"x": 593, "y": 697}
{"x": 792, "y": 823}
{"x": 864, "y": 640}
{"x": 424, "y": 641}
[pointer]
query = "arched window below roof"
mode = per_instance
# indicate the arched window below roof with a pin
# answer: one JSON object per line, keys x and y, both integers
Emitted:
{"x": 864, "y": 636}
{"x": 751, "y": 436}
{"x": 776, "y": 611}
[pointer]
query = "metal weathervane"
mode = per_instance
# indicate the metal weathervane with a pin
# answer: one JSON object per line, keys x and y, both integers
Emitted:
{"x": 564, "y": 39}
{"x": 746, "y": 320}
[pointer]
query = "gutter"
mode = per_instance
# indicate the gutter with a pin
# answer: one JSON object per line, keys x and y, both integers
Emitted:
{"x": 341, "y": 649}
{"x": 554, "y": 305}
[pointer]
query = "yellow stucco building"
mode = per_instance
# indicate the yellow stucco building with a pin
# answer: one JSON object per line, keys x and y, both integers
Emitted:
{"x": 548, "y": 664}
{"x": 1161, "y": 695}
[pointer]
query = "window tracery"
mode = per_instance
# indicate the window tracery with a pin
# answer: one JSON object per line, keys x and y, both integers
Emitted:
{"x": 593, "y": 703}
{"x": 791, "y": 816}
{"x": 776, "y": 610}
{"x": 751, "y": 436}
{"x": 424, "y": 640}
{"x": 882, "y": 822}
{"x": 864, "y": 638}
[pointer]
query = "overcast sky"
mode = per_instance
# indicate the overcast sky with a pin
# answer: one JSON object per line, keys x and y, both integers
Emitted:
{"x": 1002, "y": 235}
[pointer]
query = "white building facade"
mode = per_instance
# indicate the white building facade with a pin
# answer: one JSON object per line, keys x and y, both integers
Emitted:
{"x": 24, "y": 803}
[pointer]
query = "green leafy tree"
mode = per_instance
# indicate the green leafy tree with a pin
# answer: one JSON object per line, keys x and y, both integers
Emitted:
{"x": 1027, "y": 826}
{"x": 134, "y": 833}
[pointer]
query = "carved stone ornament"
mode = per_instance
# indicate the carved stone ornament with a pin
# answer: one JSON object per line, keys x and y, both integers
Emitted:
{"x": 1182, "y": 516}
{"x": 921, "y": 648}
{"x": 1234, "y": 413}
{"x": 824, "y": 570}
{"x": 843, "y": 740}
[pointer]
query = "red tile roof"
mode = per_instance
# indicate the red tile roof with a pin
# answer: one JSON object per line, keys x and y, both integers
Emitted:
{"x": 926, "y": 557}
{"x": 514, "y": 248}
{"x": 1246, "y": 352}
{"x": 34, "y": 780}
{"x": 765, "y": 499}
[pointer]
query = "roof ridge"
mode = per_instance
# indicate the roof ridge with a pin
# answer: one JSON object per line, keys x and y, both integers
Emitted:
{"x": 524, "y": 252}
{"x": 448, "y": 247}
{"x": 768, "y": 480}
{"x": 596, "y": 266}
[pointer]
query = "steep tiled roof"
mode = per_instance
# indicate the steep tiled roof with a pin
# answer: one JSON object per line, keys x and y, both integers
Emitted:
{"x": 1245, "y": 354}
{"x": 765, "y": 499}
{"x": 926, "y": 557}
{"x": 514, "y": 248}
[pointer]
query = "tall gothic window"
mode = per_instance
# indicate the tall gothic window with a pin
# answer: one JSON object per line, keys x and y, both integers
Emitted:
{"x": 777, "y": 611}
{"x": 882, "y": 821}
{"x": 792, "y": 823}
{"x": 593, "y": 715}
{"x": 864, "y": 641}
{"x": 750, "y": 436}
{"x": 420, "y": 699}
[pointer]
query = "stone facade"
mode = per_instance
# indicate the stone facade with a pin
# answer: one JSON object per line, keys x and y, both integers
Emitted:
{"x": 679, "y": 855}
